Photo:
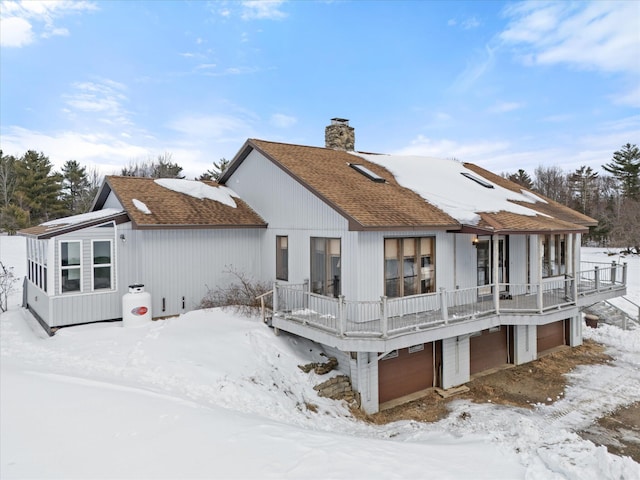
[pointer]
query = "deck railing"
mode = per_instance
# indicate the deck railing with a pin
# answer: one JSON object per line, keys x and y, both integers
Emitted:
{"x": 393, "y": 316}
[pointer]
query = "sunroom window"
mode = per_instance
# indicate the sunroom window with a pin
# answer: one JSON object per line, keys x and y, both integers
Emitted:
{"x": 101, "y": 264}
{"x": 409, "y": 266}
{"x": 70, "y": 266}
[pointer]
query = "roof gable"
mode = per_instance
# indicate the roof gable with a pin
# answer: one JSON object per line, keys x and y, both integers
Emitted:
{"x": 366, "y": 203}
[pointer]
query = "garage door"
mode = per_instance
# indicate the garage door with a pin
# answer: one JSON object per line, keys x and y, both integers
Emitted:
{"x": 550, "y": 335}
{"x": 488, "y": 350}
{"x": 405, "y": 371}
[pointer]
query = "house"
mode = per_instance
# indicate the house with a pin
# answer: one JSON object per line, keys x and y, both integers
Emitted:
{"x": 413, "y": 272}
{"x": 175, "y": 237}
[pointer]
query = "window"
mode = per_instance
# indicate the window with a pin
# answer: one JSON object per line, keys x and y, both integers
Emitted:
{"x": 101, "y": 257}
{"x": 409, "y": 266}
{"x": 416, "y": 348}
{"x": 282, "y": 257}
{"x": 325, "y": 266}
{"x": 554, "y": 255}
{"x": 70, "y": 266}
{"x": 37, "y": 263}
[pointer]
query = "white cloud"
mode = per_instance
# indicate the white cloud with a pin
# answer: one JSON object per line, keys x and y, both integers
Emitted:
{"x": 262, "y": 9}
{"x": 589, "y": 35}
{"x": 21, "y": 21}
{"x": 15, "y": 32}
{"x": 469, "y": 23}
{"x": 282, "y": 121}
{"x": 200, "y": 127}
{"x": 103, "y": 96}
{"x": 504, "y": 107}
{"x": 630, "y": 98}
{"x": 475, "y": 70}
{"x": 444, "y": 148}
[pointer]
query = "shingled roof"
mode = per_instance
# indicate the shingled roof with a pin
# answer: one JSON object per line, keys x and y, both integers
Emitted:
{"x": 168, "y": 208}
{"x": 388, "y": 205}
{"x": 365, "y": 203}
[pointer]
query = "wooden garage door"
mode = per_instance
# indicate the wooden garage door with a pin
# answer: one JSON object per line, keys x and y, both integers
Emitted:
{"x": 550, "y": 335}
{"x": 407, "y": 373}
{"x": 488, "y": 350}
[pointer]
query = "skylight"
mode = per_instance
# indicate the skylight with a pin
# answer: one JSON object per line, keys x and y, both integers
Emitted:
{"x": 479, "y": 180}
{"x": 367, "y": 173}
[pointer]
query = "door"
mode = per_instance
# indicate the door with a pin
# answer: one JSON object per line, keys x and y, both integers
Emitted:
{"x": 550, "y": 335}
{"x": 405, "y": 371}
{"x": 489, "y": 349}
{"x": 484, "y": 264}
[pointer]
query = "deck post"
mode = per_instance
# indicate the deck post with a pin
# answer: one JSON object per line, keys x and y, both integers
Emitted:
{"x": 540, "y": 297}
{"x": 624, "y": 274}
{"x": 443, "y": 305}
{"x": 275, "y": 297}
{"x": 305, "y": 293}
{"x": 384, "y": 319}
{"x": 342, "y": 320}
{"x": 613, "y": 272}
{"x": 597, "y": 277}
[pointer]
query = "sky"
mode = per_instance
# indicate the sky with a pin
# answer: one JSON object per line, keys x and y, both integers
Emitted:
{"x": 505, "y": 85}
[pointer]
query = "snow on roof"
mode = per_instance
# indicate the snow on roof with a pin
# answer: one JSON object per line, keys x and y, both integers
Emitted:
{"x": 198, "y": 189}
{"x": 442, "y": 184}
{"x": 141, "y": 206}
{"x": 83, "y": 217}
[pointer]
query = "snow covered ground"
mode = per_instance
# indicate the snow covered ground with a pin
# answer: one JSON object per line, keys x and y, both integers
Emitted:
{"x": 213, "y": 395}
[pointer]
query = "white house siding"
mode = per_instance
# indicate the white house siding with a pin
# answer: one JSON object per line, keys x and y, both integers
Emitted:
{"x": 466, "y": 259}
{"x": 575, "y": 331}
{"x": 518, "y": 259}
{"x": 112, "y": 202}
{"x": 291, "y": 206}
{"x": 524, "y": 348}
{"x": 177, "y": 263}
{"x": 344, "y": 359}
{"x": 366, "y": 380}
{"x": 38, "y": 301}
{"x": 455, "y": 361}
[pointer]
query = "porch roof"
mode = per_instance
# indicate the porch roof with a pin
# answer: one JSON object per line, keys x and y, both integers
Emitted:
{"x": 73, "y": 223}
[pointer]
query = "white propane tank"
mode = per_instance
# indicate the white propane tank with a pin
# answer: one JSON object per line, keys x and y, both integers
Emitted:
{"x": 136, "y": 306}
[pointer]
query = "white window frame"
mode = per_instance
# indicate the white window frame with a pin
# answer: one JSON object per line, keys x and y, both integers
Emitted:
{"x": 99, "y": 265}
{"x": 416, "y": 348}
{"x": 62, "y": 268}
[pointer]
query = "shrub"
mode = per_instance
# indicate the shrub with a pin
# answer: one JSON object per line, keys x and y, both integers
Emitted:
{"x": 240, "y": 295}
{"x": 7, "y": 280}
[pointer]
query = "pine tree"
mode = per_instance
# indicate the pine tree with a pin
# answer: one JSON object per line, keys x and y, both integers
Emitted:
{"x": 74, "y": 185}
{"x": 625, "y": 166}
{"x": 582, "y": 183}
{"x": 37, "y": 188}
{"x": 521, "y": 178}
{"x": 216, "y": 171}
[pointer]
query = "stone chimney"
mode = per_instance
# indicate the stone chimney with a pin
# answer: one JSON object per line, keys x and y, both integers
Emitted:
{"x": 339, "y": 135}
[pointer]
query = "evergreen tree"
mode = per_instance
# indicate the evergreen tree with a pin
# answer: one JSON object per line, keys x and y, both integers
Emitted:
{"x": 94, "y": 180}
{"x": 582, "y": 183}
{"x": 37, "y": 188}
{"x": 625, "y": 167}
{"x": 74, "y": 185}
{"x": 521, "y": 178}
{"x": 216, "y": 171}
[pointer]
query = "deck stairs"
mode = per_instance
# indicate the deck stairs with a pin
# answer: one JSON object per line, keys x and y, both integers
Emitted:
{"x": 613, "y": 315}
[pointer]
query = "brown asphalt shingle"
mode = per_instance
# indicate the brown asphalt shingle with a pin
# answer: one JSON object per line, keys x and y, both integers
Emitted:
{"x": 173, "y": 209}
{"x": 366, "y": 203}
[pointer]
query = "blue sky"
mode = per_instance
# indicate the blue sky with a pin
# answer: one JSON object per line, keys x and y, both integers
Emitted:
{"x": 505, "y": 85}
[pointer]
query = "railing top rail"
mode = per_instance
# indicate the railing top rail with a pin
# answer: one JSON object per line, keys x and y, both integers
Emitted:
{"x": 265, "y": 294}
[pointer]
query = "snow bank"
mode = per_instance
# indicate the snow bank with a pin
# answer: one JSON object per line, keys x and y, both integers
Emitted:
{"x": 82, "y": 218}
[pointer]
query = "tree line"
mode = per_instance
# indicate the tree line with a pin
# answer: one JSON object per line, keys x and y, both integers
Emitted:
{"x": 31, "y": 192}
